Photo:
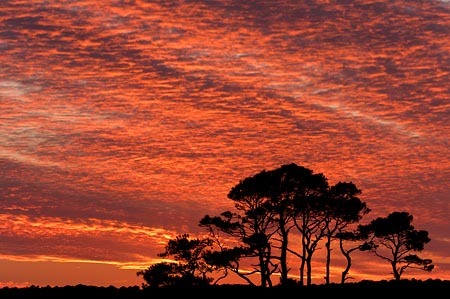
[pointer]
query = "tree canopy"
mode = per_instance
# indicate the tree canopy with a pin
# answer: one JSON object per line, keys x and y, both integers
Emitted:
{"x": 394, "y": 238}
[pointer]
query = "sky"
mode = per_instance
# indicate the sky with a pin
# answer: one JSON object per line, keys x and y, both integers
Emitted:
{"x": 122, "y": 123}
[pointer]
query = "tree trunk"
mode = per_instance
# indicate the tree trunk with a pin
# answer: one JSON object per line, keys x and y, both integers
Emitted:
{"x": 269, "y": 281}
{"x": 328, "y": 262}
{"x": 283, "y": 254}
{"x": 308, "y": 270}
{"x": 263, "y": 269}
{"x": 302, "y": 272}
{"x": 302, "y": 264}
{"x": 349, "y": 261}
{"x": 396, "y": 273}
{"x": 267, "y": 267}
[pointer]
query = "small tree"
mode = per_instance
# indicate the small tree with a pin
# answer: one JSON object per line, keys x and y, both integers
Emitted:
{"x": 166, "y": 275}
{"x": 394, "y": 238}
{"x": 190, "y": 268}
{"x": 158, "y": 275}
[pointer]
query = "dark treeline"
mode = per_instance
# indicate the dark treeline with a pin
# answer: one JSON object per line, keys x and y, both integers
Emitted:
{"x": 276, "y": 209}
{"x": 348, "y": 290}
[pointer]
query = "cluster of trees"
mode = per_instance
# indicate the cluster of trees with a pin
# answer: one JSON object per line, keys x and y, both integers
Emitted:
{"x": 274, "y": 207}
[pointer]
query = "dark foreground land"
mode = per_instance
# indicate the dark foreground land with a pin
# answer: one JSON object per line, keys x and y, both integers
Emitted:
{"x": 364, "y": 289}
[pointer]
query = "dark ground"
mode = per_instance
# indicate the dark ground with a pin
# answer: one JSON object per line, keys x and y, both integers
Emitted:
{"x": 364, "y": 289}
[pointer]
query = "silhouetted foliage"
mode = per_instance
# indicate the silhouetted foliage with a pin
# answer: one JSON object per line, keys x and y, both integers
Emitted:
{"x": 191, "y": 269}
{"x": 168, "y": 275}
{"x": 394, "y": 238}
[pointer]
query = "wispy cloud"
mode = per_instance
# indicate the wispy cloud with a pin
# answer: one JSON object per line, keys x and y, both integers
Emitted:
{"x": 57, "y": 239}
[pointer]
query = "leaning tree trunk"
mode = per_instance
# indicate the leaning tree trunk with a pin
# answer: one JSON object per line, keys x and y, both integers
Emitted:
{"x": 349, "y": 261}
{"x": 303, "y": 262}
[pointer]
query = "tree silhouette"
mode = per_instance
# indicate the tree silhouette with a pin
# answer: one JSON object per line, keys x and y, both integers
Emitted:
{"x": 191, "y": 269}
{"x": 394, "y": 238}
{"x": 253, "y": 224}
{"x": 162, "y": 275}
{"x": 342, "y": 207}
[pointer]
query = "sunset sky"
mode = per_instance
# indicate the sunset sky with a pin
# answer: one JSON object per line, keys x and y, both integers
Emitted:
{"x": 122, "y": 123}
